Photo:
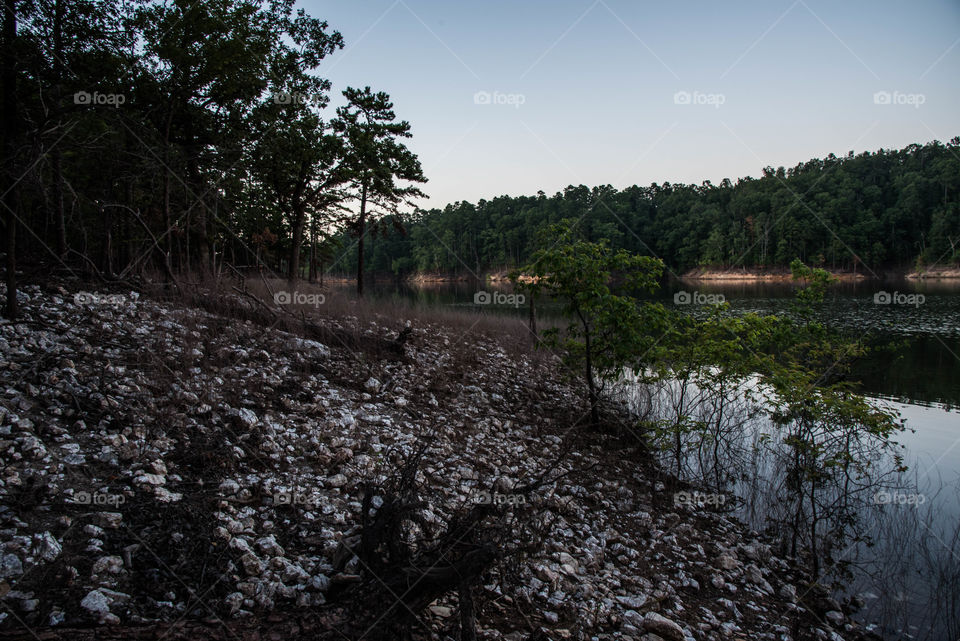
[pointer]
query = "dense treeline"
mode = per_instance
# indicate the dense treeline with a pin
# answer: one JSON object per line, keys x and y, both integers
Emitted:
{"x": 870, "y": 211}
{"x": 183, "y": 137}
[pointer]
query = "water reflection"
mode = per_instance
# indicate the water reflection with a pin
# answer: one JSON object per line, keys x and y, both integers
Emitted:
{"x": 923, "y": 368}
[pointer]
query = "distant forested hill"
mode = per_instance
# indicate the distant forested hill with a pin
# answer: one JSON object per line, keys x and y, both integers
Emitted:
{"x": 884, "y": 209}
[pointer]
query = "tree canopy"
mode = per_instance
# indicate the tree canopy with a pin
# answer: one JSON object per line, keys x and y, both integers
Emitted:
{"x": 185, "y": 136}
{"x": 889, "y": 209}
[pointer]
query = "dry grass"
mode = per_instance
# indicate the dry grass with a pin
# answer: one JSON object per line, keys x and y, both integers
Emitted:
{"x": 357, "y": 316}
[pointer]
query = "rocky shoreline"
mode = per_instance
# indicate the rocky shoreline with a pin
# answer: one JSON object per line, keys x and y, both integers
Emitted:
{"x": 772, "y": 275}
{"x": 719, "y": 275}
{"x": 166, "y": 464}
{"x": 935, "y": 273}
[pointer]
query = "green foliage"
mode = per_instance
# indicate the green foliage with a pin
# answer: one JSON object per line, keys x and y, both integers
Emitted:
{"x": 709, "y": 360}
{"x": 832, "y": 436}
{"x": 608, "y": 328}
{"x": 212, "y": 130}
{"x": 874, "y": 210}
{"x": 374, "y": 164}
{"x": 828, "y": 446}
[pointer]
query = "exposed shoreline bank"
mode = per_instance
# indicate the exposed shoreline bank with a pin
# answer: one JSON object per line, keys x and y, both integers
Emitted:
{"x": 780, "y": 274}
{"x": 769, "y": 275}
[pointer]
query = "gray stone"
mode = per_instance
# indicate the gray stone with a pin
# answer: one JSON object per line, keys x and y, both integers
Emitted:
{"x": 662, "y": 626}
{"x": 251, "y": 564}
{"x": 632, "y": 602}
{"x": 338, "y": 480}
{"x": 727, "y": 562}
{"x": 10, "y": 565}
{"x": 96, "y": 602}
{"x": 47, "y": 547}
{"x": 834, "y": 617}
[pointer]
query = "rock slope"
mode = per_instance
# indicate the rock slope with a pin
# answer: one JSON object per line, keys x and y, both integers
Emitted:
{"x": 162, "y": 463}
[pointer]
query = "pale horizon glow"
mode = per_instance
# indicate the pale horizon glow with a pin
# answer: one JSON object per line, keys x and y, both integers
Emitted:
{"x": 587, "y": 92}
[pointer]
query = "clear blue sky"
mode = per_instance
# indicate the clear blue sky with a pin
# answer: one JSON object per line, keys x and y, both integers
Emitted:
{"x": 586, "y": 91}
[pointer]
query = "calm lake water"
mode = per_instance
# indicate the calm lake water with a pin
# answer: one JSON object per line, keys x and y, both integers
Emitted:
{"x": 919, "y": 375}
{"x": 924, "y": 369}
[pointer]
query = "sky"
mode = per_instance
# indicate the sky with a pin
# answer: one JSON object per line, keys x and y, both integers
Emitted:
{"x": 512, "y": 97}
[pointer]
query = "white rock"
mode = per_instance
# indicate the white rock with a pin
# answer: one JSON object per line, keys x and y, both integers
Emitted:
{"x": 632, "y": 602}
{"x": 566, "y": 559}
{"x": 96, "y": 602}
{"x": 311, "y": 348}
{"x": 47, "y": 547}
{"x": 834, "y": 617}
{"x": 247, "y": 417}
{"x": 251, "y": 564}
{"x": 320, "y": 582}
{"x": 164, "y": 495}
{"x": 239, "y": 544}
{"x": 269, "y": 545}
{"x": 229, "y": 487}
{"x": 10, "y": 565}
{"x": 338, "y": 480}
{"x": 727, "y": 562}
{"x": 149, "y": 479}
{"x": 788, "y": 592}
{"x": 634, "y": 618}
{"x": 109, "y": 564}
{"x": 662, "y": 626}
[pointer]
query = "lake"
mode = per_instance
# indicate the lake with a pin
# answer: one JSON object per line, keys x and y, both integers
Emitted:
{"x": 924, "y": 370}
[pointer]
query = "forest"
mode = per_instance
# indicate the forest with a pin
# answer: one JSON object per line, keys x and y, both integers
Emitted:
{"x": 154, "y": 136}
{"x": 883, "y": 210}
{"x": 185, "y": 139}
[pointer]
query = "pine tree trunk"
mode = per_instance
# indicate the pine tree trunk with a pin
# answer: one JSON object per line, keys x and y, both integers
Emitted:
{"x": 313, "y": 250}
{"x": 167, "y": 222}
{"x": 299, "y": 219}
{"x": 361, "y": 232}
